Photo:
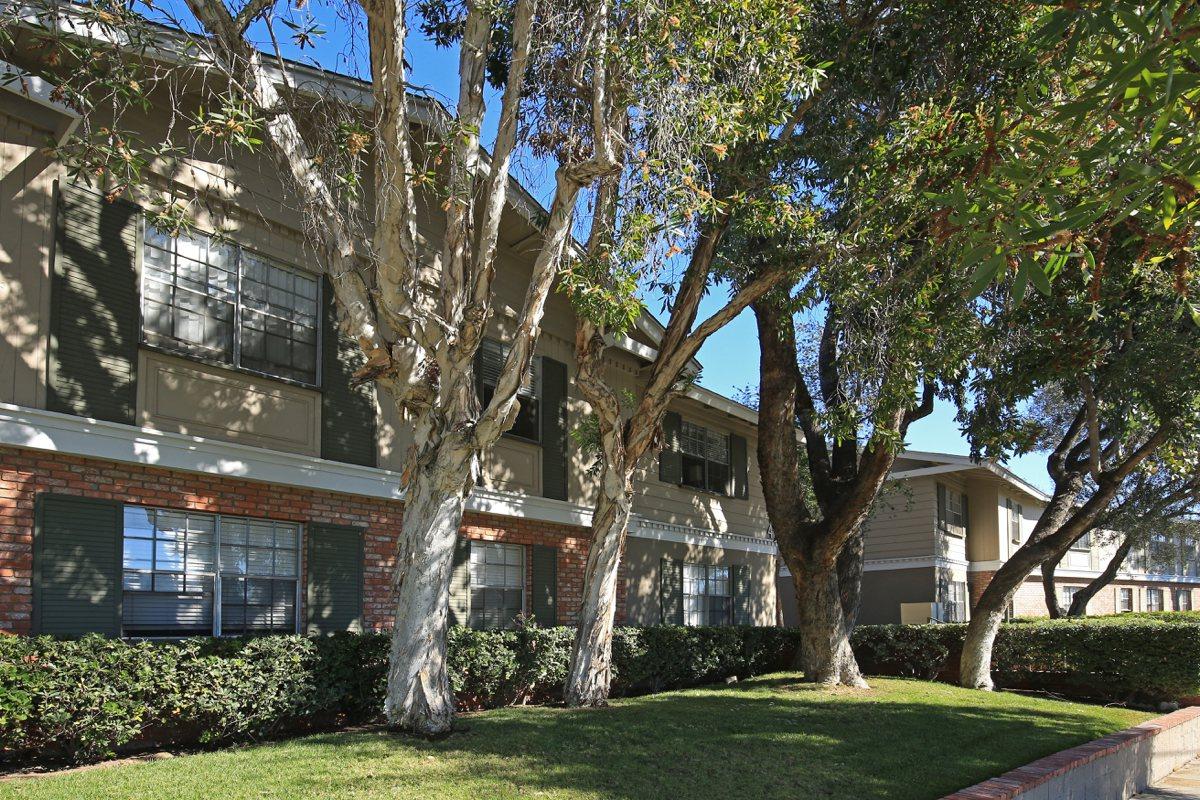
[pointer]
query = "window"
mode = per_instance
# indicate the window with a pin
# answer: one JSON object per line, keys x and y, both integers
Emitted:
{"x": 490, "y": 359}
{"x": 1162, "y": 553}
{"x": 1183, "y": 599}
{"x": 1154, "y": 599}
{"x": 1084, "y": 544}
{"x": 1068, "y": 594}
{"x": 176, "y": 563}
{"x": 1124, "y": 599}
{"x": 1189, "y": 555}
{"x": 705, "y": 458}
{"x": 1015, "y": 512}
{"x": 497, "y": 584}
{"x": 259, "y": 566}
{"x": 952, "y": 511}
{"x": 707, "y": 595}
{"x": 955, "y": 605}
{"x": 218, "y": 302}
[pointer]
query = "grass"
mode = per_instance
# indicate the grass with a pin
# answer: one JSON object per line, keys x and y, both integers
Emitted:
{"x": 765, "y": 737}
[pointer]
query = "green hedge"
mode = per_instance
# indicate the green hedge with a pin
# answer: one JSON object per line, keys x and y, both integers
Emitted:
{"x": 1122, "y": 658}
{"x": 87, "y": 699}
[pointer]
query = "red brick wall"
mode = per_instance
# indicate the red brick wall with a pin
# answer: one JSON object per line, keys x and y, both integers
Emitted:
{"x": 1030, "y": 601}
{"x": 25, "y": 473}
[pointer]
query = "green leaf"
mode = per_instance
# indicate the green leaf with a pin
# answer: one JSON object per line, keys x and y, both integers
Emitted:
{"x": 1035, "y": 274}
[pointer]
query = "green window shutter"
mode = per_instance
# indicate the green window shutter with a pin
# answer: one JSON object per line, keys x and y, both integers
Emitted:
{"x": 489, "y": 362}
{"x": 460, "y": 583}
{"x": 347, "y": 412}
{"x": 545, "y": 585}
{"x": 77, "y": 557}
{"x": 670, "y": 461}
{"x": 334, "y": 591}
{"x": 671, "y": 591}
{"x": 739, "y": 477}
{"x": 742, "y": 613}
{"x": 941, "y": 507}
{"x": 555, "y": 442}
{"x": 94, "y": 310}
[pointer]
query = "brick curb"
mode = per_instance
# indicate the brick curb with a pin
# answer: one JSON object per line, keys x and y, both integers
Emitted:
{"x": 1016, "y": 782}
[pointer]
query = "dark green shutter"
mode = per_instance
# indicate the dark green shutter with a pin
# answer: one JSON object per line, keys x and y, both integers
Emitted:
{"x": 347, "y": 412}
{"x": 489, "y": 362}
{"x": 77, "y": 558}
{"x": 742, "y": 614}
{"x": 334, "y": 594}
{"x": 671, "y": 591}
{"x": 460, "y": 583}
{"x": 94, "y": 311}
{"x": 545, "y": 585}
{"x": 739, "y": 471}
{"x": 670, "y": 460}
{"x": 941, "y": 507}
{"x": 555, "y": 452}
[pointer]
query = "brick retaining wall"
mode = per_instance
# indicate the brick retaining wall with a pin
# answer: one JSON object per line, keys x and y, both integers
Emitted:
{"x": 1114, "y": 767}
{"x": 24, "y": 473}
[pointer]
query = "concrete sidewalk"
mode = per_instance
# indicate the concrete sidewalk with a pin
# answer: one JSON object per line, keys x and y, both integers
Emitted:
{"x": 1182, "y": 784}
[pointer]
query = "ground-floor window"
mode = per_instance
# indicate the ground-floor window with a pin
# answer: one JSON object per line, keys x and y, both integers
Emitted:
{"x": 1068, "y": 595}
{"x": 1183, "y": 599}
{"x": 497, "y": 584}
{"x": 1124, "y": 599}
{"x": 188, "y": 573}
{"x": 955, "y": 609}
{"x": 707, "y": 595}
{"x": 1154, "y": 599}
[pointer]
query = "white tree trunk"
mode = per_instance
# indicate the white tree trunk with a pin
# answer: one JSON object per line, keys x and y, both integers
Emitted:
{"x": 419, "y": 699}
{"x": 589, "y": 676}
{"x": 975, "y": 667}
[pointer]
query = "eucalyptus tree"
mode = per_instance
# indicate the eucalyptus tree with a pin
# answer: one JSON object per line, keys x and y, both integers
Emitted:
{"x": 1161, "y": 501}
{"x": 854, "y": 352}
{"x": 744, "y": 80}
{"x": 362, "y": 162}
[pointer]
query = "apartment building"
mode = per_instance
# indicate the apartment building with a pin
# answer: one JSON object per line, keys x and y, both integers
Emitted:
{"x": 182, "y": 452}
{"x": 945, "y": 524}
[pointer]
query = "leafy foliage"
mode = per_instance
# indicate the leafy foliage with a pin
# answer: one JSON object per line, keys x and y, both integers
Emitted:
{"x": 1143, "y": 656}
{"x": 85, "y": 700}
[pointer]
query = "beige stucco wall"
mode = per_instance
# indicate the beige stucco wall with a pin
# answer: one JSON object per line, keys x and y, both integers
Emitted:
{"x": 643, "y": 564}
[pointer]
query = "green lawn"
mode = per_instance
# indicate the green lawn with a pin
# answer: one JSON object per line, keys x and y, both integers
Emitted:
{"x": 767, "y": 737}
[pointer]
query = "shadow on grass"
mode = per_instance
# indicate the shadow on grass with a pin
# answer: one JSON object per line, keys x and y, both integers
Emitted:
{"x": 771, "y": 737}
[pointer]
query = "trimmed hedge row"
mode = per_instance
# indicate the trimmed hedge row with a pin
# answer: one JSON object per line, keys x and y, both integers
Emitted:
{"x": 86, "y": 699}
{"x": 1120, "y": 658}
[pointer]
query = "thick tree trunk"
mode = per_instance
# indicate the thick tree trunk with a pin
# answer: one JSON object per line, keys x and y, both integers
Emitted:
{"x": 1050, "y": 587}
{"x": 850, "y": 572}
{"x": 589, "y": 676}
{"x": 825, "y": 654}
{"x": 1084, "y": 596}
{"x": 419, "y": 699}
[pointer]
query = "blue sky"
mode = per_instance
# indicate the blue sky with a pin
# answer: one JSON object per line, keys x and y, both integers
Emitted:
{"x": 730, "y": 357}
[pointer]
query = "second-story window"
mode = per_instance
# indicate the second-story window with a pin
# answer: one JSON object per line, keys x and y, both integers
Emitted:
{"x": 218, "y": 302}
{"x": 951, "y": 511}
{"x": 705, "y": 458}
{"x": 1083, "y": 544}
{"x": 489, "y": 363}
{"x": 1015, "y": 512}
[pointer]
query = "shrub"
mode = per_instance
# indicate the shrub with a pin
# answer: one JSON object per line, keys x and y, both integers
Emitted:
{"x": 1143, "y": 658}
{"x": 86, "y": 699}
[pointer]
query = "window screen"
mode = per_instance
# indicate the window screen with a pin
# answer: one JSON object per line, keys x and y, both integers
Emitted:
{"x": 707, "y": 595}
{"x": 497, "y": 584}
{"x": 213, "y": 300}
